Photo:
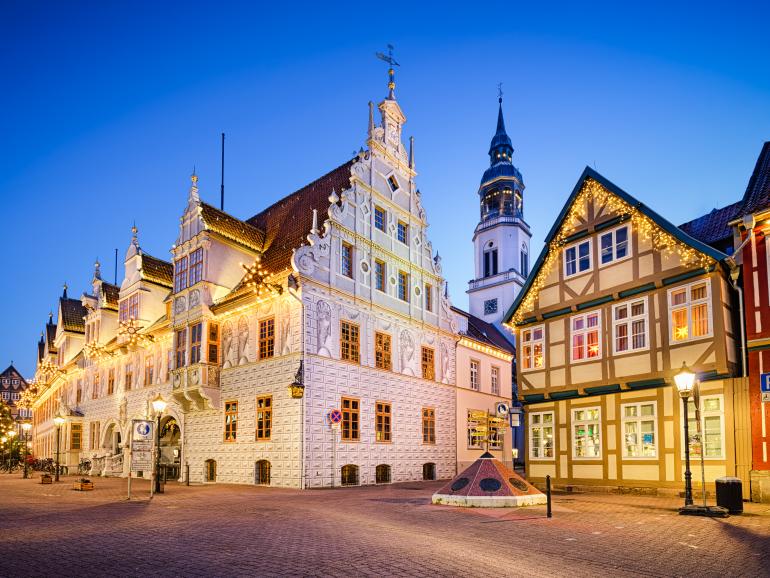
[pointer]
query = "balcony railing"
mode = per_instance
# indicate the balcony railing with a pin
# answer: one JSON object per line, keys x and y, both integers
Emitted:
{"x": 494, "y": 279}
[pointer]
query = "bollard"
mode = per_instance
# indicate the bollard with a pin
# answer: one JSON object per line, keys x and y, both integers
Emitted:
{"x": 187, "y": 474}
{"x": 548, "y": 496}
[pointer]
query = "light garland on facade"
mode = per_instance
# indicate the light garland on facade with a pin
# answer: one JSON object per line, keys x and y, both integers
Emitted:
{"x": 259, "y": 280}
{"x": 662, "y": 241}
{"x": 129, "y": 330}
{"x": 96, "y": 351}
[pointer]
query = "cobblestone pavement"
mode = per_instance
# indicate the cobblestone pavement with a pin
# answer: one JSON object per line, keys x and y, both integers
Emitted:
{"x": 217, "y": 530}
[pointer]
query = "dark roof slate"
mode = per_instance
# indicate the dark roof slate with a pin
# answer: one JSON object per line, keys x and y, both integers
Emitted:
{"x": 757, "y": 195}
{"x": 713, "y": 226}
{"x": 111, "y": 294}
{"x": 157, "y": 270}
{"x": 484, "y": 332}
{"x": 72, "y": 314}
{"x": 241, "y": 232}
{"x": 287, "y": 222}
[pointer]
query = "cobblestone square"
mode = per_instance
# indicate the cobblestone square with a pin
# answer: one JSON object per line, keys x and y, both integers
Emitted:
{"x": 388, "y": 530}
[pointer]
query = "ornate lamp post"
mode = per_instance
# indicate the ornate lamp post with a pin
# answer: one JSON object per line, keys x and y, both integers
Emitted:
{"x": 26, "y": 426}
{"x": 686, "y": 384}
{"x": 159, "y": 406}
{"x": 58, "y": 421}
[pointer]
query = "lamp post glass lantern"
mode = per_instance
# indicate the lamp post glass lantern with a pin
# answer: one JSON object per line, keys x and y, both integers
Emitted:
{"x": 58, "y": 421}
{"x": 159, "y": 405}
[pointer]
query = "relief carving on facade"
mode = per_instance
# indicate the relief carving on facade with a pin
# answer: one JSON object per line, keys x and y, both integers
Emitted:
{"x": 339, "y": 205}
{"x": 446, "y": 366}
{"x": 406, "y": 347}
{"x": 180, "y": 304}
{"x": 195, "y": 298}
{"x": 361, "y": 169}
{"x": 324, "y": 328}
{"x": 243, "y": 340}
{"x": 229, "y": 347}
{"x": 307, "y": 258}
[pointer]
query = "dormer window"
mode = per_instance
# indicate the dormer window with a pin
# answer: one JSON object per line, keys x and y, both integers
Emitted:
{"x": 129, "y": 308}
{"x": 180, "y": 274}
{"x": 188, "y": 270}
{"x": 393, "y": 182}
{"x": 196, "y": 267}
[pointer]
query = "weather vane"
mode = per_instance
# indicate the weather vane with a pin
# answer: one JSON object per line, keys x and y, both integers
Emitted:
{"x": 391, "y": 74}
{"x": 500, "y": 92}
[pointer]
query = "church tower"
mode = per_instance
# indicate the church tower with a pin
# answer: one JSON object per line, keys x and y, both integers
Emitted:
{"x": 501, "y": 239}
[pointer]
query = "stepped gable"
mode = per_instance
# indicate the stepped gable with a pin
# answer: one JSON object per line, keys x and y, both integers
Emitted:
{"x": 488, "y": 483}
{"x": 287, "y": 223}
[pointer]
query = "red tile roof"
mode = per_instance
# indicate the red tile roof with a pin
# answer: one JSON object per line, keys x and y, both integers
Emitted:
{"x": 287, "y": 223}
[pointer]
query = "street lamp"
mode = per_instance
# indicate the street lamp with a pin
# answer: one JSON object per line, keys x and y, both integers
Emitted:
{"x": 159, "y": 405}
{"x": 26, "y": 426}
{"x": 686, "y": 384}
{"x": 58, "y": 421}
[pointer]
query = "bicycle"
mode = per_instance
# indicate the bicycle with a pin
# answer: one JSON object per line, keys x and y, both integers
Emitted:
{"x": 84, "y": 467}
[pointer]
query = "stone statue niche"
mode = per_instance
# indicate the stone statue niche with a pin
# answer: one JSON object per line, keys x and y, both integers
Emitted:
{"x": 243, "y": 340}
{"x": 445, "y": 364}
{"x": 324, "y": 328}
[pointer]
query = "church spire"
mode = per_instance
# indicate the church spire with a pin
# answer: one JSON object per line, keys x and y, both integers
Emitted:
{"x": 501, "y": 148}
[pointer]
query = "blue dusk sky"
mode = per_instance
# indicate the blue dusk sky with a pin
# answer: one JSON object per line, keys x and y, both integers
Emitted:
{"x": 106, "y": 107}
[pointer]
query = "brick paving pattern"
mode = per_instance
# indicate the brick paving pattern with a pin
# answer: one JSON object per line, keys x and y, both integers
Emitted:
{"x": 393, "y": 530}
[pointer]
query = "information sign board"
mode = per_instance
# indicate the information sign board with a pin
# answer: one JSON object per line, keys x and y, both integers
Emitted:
{"x": 142, "y": 434}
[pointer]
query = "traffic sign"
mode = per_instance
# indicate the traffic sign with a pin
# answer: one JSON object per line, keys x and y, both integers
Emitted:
{"x": 335, "y": 416}
{"x": 764, "y": 386}
{"x": 502, "y": 408}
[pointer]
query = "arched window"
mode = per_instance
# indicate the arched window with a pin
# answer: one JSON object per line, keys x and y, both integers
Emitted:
{"x": 490, "y": 260}
{"x": 349, "y": 475}
{"x": 524, "y": 260}
{"x": 429, "y": 471}
{"x": 382, "y": 474}
{"x": 262, "y": 473}
{"x": 211, "y": 470}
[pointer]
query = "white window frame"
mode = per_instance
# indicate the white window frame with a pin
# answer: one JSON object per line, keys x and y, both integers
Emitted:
{"x": 613, "y": 232}
{"x": 541, "y": 425}
{"x": 703, "y": 416}
{"x": 575, "y": 422}
{"x": 688, "y": 305}
{"x": 475, "y": 371}
{"x": 576, "y": 246}
{"x": 585, "y": 331}
{"x": 629, "y": 323}
{"x": 528, "y": 348}
{"x": 638, "y": 419}
{"x": 349, "y": 274}
{"x": 378, "y": 208}
{"x": 494, "y": 379}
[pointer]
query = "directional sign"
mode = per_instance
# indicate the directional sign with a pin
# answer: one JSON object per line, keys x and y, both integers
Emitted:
{"x": 764, "y": 386}
{"x": 335, "y": 416}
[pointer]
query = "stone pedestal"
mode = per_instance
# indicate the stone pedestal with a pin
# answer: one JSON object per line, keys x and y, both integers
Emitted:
{"x": 760, "y": 486}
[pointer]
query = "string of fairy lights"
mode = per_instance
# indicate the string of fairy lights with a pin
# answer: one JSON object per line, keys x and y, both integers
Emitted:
{"x": 258, "y": 280}
{"x": 648, "y": 230}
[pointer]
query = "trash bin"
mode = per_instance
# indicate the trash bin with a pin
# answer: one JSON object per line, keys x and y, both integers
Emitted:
{"x": 730, "y": 494}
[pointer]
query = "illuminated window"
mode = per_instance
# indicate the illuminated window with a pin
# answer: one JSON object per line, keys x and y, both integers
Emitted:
{"x": 379, "y": 275}
{"x": 403, "y": 286}
{"x": 585, "y": 336}
{"x": 495, "y": 380}
{"x": 195, "y": 267}
{"x": 349, "y": 475}
{"x": 380, "y": 218}
{"x": 180, "y": 274}
{"x": 690, "y": 311}
{"x": 541, "y": 435}
{"x": 94, "y": 434}
{"x": 629, "y": 326}
{"x": 428, "y": 425}
{"x": 76, "y": 436}
{"x": 266, "y": 338}
{"x": 428, "y": 297}
{"x": 639, "y": 430}
{"x": 586, "y": 441}
{"x": 577, "y": 258}
{"x": 181, "y": 347}
{"x": 614, "y": 245}
{"x": 346, "y": 260}
{"x": 350, "y": 419}
{"x": 533, "y": 348}
{"x": 712, "y": 427}
{"x": 475, "y": 435}
{"x": 428, "y": 365}
{"x": 474, "y": 375}
{"x": 382, "y": 421}
{"x": 402, "y": 232}
{"x": 213, "y": 342}
{"x": 264, "y": 417}
{"x": 196, "y": 337}
{"x": 382, "y": 474}
{"x": 382, "y": 351}
{"x": 231, "y": 421}
{"x": 149, "y": 369}
{"x": 349, "y": 345}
